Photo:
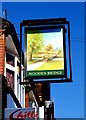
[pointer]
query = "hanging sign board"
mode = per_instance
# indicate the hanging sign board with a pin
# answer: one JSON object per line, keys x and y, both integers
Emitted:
{"x": 45, "y": 52}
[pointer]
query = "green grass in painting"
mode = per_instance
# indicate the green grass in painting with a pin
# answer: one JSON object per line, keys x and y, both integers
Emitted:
{"x": 52, "y": 65}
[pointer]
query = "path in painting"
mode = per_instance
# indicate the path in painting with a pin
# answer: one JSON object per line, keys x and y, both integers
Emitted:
{"x": 38, "y": 64}
{"x": 35, "y": 65}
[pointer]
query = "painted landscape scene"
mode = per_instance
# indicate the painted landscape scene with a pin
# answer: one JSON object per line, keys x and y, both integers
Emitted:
{"x": 45, "y": 50}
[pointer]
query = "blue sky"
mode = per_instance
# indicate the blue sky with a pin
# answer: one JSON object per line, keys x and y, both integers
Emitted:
{"x": 68, "y": 97}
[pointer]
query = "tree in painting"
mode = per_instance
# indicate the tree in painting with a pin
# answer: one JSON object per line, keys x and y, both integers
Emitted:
{"x": 49, "y": 47}
{"x": 34, "y": 43}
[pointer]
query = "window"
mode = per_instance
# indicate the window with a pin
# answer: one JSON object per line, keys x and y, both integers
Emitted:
{"x": 10, "y": 59}
{"x": 10, "y": 78}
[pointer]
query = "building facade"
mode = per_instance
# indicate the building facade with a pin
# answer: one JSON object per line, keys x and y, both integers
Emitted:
{"x": 10, "y": 68}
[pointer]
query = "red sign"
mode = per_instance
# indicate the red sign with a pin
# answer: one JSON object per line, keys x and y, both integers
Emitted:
{"x": 21, "y": 114}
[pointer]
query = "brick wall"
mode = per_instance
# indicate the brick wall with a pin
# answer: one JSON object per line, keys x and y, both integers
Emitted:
{"x": 2, "y": 52}
{"x": 2, "y": 62}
